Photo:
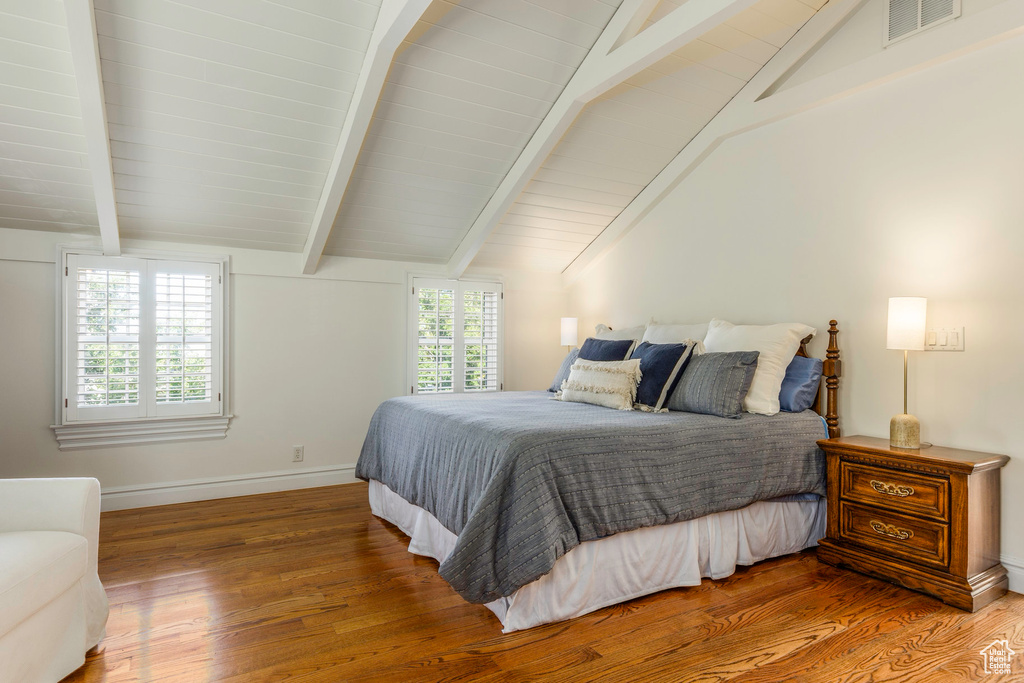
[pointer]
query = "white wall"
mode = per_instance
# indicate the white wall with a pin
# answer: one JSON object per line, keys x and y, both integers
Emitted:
{"x": 911, "y": 188}
{"x": 311, "y": 359}
{"x": 534, "y": 306}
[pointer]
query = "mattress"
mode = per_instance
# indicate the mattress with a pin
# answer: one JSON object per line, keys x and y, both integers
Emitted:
{"x": 521, "y": 480}
{"x": 610, "y": 570}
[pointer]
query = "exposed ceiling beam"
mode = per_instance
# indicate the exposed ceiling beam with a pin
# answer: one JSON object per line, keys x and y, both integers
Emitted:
{"x": 394, "y": 21}
{"x": 763, "y": 101}
{"x": 611, "y": 61}
{"x": 85, "y": 55}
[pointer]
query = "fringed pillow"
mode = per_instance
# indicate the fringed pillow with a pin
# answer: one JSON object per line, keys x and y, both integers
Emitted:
{"x": 603, "y": 383}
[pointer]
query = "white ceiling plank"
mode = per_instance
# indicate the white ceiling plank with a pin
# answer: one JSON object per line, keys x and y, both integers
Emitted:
{"x": 141, "y": 102}
{"x": 29, "y": 118}
{"x": 520, "y": 221}
{"x": 36, "y": 31}
{"x": 211, "y": 206}
{"x": 48, "y": 225}
{"x": 605, "y": 67}
{"x": 206, "y": 22}
{"x": 126, "y": 151}
{"x": 85, "y": 55}
{"x": 568, "y": 179}
{"x": 60, "y": 215}
{"x": 57, "y": 156}
{"x": 395, "y": 20}
{"x": 475, "y": 47}
{"x": 47, "y": 187}
{"x": 45, "y": 202}
{"x": 144, "y": 30}
{"x": 29, "y": 170}
{"x": 38, "y": 100}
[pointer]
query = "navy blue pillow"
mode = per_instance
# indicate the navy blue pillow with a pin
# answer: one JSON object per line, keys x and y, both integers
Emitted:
{"x": 661, "y": 366}
{"x": 800, "y": 385}
{"x": 606, "y": 349}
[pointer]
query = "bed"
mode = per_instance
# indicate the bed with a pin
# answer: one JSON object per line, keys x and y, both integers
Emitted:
{"x": 544, "y": 510}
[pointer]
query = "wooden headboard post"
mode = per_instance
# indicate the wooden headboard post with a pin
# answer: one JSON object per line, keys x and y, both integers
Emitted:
{"x": 831, "y": 371}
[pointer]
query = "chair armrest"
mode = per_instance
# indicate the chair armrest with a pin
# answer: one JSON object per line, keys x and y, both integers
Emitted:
{"x": 71, "y": 504}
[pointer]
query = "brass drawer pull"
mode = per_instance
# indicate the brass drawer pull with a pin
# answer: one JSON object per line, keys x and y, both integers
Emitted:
{"x": 892, "y": 489}
{"x": 891, "y": 531}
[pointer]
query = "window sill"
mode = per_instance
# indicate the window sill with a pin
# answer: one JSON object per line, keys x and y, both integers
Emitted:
{"x": 124, "y": 432}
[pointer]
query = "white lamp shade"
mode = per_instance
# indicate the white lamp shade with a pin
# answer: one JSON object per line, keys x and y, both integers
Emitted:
{"x": 570, "y": 331}
{"x": 907, "y": 315}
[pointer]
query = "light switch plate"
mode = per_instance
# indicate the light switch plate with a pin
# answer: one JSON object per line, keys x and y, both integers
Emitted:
{"x": 953, "y": 336}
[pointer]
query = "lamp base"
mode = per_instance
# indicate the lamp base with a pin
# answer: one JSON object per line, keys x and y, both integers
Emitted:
{"x": 904, "y": 431}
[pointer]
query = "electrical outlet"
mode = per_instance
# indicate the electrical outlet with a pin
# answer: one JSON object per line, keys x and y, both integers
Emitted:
{"x": 297, "y": 454}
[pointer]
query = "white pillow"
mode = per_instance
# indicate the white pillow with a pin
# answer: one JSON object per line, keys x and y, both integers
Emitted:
{"x": 604, "y": 332}
{"x": 675, "y": 334}
{"x": 777, "y": 345}
{"x": 604, "y": 383}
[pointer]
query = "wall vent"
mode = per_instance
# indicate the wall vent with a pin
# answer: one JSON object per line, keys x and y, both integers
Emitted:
{"x": 909, "y": 17}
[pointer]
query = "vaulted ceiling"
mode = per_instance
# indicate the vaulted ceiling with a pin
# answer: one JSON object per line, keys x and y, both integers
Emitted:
{"x": 501, "y": 133}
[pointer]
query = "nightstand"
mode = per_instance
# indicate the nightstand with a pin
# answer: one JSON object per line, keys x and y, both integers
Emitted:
{"x": 927, "y": 519}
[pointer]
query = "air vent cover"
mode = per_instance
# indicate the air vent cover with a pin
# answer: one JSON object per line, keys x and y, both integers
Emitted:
{"x": 908, "y": 17}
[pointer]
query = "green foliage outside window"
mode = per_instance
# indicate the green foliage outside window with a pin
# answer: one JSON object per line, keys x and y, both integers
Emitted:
{"x": 436, "y": 349}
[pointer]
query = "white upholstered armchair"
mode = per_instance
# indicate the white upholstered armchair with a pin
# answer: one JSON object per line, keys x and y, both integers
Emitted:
{"x": 52, "y": 605}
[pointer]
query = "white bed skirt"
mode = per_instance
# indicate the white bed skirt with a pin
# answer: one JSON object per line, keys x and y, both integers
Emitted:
{"x": 611, "y": 570}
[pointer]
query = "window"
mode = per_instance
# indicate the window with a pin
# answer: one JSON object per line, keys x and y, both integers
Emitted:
{"x": 142, "y": 350}
{"x": 457, "y": 336}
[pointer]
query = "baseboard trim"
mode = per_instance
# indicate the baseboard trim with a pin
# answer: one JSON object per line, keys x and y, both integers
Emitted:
{"x": 1015, "y": 572}
{"x": 167, "y": 493}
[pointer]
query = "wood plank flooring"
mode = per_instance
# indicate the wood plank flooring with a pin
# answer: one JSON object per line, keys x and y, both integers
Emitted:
{"x": 309, "y": 586}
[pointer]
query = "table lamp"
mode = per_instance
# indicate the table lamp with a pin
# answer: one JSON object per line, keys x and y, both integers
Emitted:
{"x": 570, "y": 330}
{"x": 906, "y": 332}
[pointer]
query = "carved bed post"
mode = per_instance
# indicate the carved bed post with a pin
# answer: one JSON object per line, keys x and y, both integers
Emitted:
{"x": 832, "y": 369}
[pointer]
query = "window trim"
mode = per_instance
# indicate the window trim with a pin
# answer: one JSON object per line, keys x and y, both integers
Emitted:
{"x": 86, "y": 433}
{"x": 412, "y": 329}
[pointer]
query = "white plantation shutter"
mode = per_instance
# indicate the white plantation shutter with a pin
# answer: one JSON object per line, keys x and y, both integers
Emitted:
{"x": 142, "y": 338}
{"x": 185, "y": 341}
{"x": 435, "y": 347}
{"x": 457, "y": 336}
{"x": 480, "y": 339}
{"x": 105, "y": 321}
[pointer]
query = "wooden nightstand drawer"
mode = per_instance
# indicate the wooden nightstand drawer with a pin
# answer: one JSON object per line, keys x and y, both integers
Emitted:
{"x": 889, "y": 532}
{"x": 919, "y": 494}
{"x": 927, "y": 519}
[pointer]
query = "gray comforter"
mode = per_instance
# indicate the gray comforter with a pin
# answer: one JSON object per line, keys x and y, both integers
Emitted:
{"x": 522, "y": 479}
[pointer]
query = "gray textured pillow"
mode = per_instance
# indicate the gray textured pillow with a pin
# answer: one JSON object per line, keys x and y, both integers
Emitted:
{"x": 715, "y": 384}
{"x": 563, "y": 371}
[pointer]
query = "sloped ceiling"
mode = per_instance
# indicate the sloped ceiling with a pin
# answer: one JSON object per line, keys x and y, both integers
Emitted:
{"x": 624, "y": 138}
{"x": 460, "y": 104}
{"x": 44, "y": 184}
{"x": 224, "y": 116}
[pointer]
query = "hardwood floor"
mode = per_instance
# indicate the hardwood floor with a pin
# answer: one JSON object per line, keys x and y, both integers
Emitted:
{"x": 309, "y": 586}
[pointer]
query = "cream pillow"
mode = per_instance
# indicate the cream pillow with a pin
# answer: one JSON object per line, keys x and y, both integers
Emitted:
{"x": 674, "y": 334}
{"x": 777, "y": 345}
{"x": 604, "y": 332}
{"x": 604, "y": 383}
